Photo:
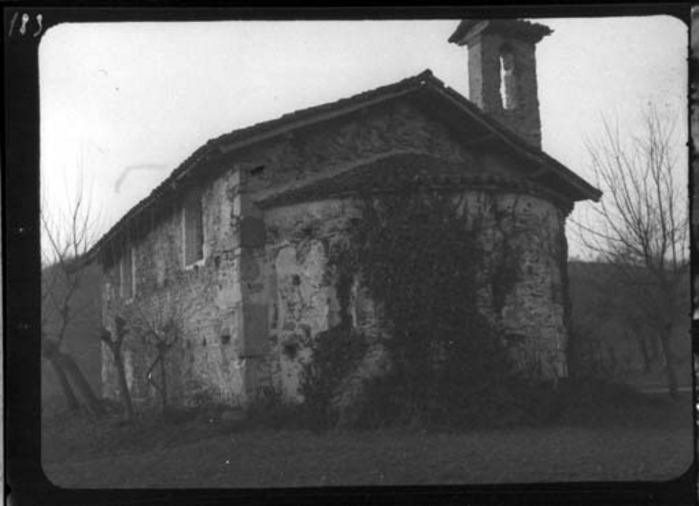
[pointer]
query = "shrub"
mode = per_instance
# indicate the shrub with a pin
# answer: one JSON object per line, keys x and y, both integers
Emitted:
{"x": 335, "y": 353}
{"x": 423, "y": 263}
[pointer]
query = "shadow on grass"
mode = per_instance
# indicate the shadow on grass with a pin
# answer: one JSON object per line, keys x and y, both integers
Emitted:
{"x": 589, "y": 404}
{"x": 599, "y": 403}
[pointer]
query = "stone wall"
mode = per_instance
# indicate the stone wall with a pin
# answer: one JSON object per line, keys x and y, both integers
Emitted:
{"x": 267, "y": 286}
{"x": 205, "y": 299}
{"x": 303, "y": 238}
{"x": 223, "y": 353}
{"x": 324, "y": 150}
{"x": 485, "y": 84}
{"x": 529, "y": 232}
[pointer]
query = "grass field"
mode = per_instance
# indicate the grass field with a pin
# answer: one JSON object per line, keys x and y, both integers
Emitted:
{"x": 292, "y": 459}
{"x": 651, "y": 442}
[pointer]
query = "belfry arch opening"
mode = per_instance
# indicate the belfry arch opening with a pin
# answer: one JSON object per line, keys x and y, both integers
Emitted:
{"x": 508, "y": 78}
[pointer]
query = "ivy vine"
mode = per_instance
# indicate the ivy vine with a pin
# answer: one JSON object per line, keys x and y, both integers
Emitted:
{"x": 421, "y": 257}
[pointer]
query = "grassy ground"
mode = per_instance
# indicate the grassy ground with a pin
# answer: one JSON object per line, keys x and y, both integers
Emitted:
{"x": 290, "y": 459}
{"x": 648, "y": 440}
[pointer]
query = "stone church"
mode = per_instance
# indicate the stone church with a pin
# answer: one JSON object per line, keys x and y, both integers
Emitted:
{"x": 234, "y": 244}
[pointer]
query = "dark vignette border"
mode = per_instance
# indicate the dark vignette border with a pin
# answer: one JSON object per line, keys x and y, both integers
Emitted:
{"x": 25, "y": 481}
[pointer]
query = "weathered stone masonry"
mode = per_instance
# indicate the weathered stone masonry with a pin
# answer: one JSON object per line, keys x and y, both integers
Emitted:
{"x": 205, "y": 363}
{"x": 280, "y": 198}
{"x": 490, "y": 44}
{"x": 264, "y": 290}
{"x": 531, "y": 314}
{"x": 225, "y": 301}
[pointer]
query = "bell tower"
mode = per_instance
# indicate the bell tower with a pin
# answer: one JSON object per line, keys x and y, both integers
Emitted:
{"x": 502, "y": 71}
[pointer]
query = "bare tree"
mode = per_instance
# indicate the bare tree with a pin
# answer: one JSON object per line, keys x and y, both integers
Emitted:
{"x": 641, "y": 225}
{"x": 66, "y": 239}
{"x": 161, "y": 326}
{"x": 114, "y": 344}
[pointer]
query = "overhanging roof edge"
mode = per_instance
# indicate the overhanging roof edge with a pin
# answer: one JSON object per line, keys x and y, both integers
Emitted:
{"x": 215, "y": 148}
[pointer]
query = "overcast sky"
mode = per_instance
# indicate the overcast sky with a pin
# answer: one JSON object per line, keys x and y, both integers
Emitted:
{"x": 128, "y": 102}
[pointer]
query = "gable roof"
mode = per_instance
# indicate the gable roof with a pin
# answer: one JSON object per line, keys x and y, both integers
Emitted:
{"x": 423, "y": 88}
{"x": 407, "y": 171}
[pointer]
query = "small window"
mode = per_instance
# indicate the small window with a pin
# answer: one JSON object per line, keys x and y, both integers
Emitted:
{"x": 508, "y": 79}
{"x": 257, "y": 171}
{"x": 127, "y": 274}
{"x": 193, "y": 230}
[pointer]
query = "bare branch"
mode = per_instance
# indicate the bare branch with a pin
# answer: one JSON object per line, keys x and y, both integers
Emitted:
{"x": 640, "y": 227}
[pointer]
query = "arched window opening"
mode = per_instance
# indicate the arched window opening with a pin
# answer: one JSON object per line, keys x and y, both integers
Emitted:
{"x": 508, "y": 79}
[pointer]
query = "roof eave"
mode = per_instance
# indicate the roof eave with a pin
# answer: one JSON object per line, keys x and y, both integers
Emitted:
{"x": 586, "y": 191}
{"x": 219, "y": 147}
{"x": 424, "y": 81}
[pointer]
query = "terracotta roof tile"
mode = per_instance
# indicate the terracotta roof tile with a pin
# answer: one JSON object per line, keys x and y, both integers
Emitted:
{"x": 423, "y": 81}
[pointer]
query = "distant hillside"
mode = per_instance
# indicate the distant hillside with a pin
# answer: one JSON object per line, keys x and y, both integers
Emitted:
{"x": 611, "y": 330}
{"x": 82, "y": 335}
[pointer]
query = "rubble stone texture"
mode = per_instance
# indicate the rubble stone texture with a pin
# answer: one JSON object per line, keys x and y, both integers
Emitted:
{"x": 253, "y": 308}
{"x": 265, "y": 289}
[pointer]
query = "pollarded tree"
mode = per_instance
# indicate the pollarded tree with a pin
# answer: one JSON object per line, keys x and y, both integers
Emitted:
{"x": 114, "y": 342}
{"x": 161, "y": 326}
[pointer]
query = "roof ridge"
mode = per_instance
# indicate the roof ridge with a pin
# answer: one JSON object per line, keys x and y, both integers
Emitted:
{"x": 267, "y": 129}
{"x": 419, "y": 78}
{"x": 422, "y": 78}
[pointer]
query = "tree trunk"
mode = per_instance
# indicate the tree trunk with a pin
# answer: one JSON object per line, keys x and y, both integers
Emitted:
{"x": 123, "y": 385}
{"x": 114, "y": 346}
{"x": 68, "y": 364}
{"x": 163, "y": 384}
{"x": 612, "y": 359}
{"x": 643, "y": 345}
{"x": 669, "y": 363}
{"x": 71, "y": 399}
{"x": 655, "y": 350}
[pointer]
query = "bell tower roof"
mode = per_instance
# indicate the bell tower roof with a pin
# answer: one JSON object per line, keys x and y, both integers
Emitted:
{"x": 502, "y": 71}
{"x": 525, "y": 31}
